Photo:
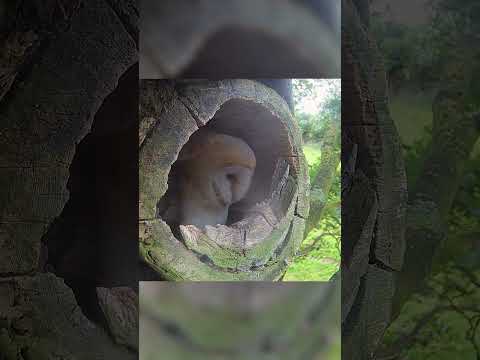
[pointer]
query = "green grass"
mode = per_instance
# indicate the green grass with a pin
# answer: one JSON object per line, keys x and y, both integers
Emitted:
{"x": 411, "y": 112}
{"x": 312, "y": 153}
{"x": 324, "y": 261}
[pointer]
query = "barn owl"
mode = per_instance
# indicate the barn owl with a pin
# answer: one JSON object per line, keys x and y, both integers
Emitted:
{"x": 217, "y": 170}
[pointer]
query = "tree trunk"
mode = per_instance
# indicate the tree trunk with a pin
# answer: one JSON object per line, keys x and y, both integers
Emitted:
{"x": 283, "y": 87}
{"x": 323, "y": 180}
{"x": 55, "y": 74}
{"x": 238, "y": 321}
{"x": 267, "y": 226}
{"x": 455, "y": 133}
{"x": 373, "y": 192}
{"x": 280, "y": 37}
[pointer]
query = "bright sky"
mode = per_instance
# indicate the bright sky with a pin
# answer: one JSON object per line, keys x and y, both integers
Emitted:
{"x": 311, "y": 105}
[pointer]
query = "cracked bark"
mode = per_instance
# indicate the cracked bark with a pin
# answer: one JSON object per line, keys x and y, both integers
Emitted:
{"x": 54, "y": 76}
{"x": 373, "y": 191}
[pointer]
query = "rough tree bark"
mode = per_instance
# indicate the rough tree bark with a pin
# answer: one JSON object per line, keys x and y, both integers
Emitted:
{"x": 259, "y": 244}
{"x": 281, "y": 37}
{"x": 373, "y": 191}
{"x": 323, "y": 180}
{"x": 283, "y": 87}
{"x": 237, "y": 321}
{"x": 67, "y": 57}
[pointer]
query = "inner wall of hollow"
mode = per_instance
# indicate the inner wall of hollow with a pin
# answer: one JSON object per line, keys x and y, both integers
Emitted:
{"x": 264, "y": 133}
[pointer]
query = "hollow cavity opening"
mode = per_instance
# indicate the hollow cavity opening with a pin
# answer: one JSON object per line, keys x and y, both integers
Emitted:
{"x": 240, "y": 52}
{"x": 265, "y": 134}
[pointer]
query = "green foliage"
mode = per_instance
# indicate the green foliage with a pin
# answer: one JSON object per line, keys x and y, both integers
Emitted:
{"x": 430, "y": 56}
{"x": 442, "y": 322}
{"x": 411, "y": 54}
{"x": 437, "y": 324}
{"x": 311, "y": 126}
{"x": 302, "y": 88}
{"x": 412, "y": 113}
{"x": 316, "y": 102}
{"x": 414, "y": 155}
{"x": 319, "y": 256}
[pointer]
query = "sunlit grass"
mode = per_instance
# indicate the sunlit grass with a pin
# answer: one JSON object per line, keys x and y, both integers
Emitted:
{"x": 312, "y": 153}
{"x": 411, "y": 113}
{"x": 319, "y": 264}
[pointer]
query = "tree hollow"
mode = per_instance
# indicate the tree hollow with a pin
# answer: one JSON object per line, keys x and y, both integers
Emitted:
{"x": 263, "y": 230}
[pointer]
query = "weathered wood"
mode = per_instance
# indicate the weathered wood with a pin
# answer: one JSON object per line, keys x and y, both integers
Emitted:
{"x": 156, "y": 97}
{"x": 44, "y": 118}
{"x": 280, "y": 37}
{"x": 361, "y": 200}
{"x": 237, "y": 321}
{"x": 249, "y": 242}
{"x": 24, "y": 28}
{"x": 41, "y": 318}
{"x": 120, "y": 307}
{"x": 15, "y": 47}
{"x": 373, "y": 195}
{"x": 261, "y": 240}
{"x": 158, "y": 151}
{"x": 369, "y": 316}
{"x": 61, "y": 61}
{"x": 283, "y": 87}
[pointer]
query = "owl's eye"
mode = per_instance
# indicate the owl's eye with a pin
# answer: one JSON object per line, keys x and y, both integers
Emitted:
{"x": 232, "y": 178}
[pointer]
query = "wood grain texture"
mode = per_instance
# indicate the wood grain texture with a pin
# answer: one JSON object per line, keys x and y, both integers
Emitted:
{"x": 43, "y": 120}
{"x": 374, "y": 194}
{"x": 120, "y": 307}
{"x": 54, "y": 76}
{"x": 45, "y": 319}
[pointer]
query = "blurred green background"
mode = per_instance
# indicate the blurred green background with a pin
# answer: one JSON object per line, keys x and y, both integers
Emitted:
{"x": 317, "y": 110}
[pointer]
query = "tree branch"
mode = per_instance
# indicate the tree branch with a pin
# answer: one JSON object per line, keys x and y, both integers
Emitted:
{"x": 454, "y": 135}
{"x": 323, "y": 180}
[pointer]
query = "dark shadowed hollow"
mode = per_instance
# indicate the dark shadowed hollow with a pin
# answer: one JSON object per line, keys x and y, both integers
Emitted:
{"x": 244, "y": 52}
{"x": 93, "y": 243}
{"x": 260, "y": 38}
